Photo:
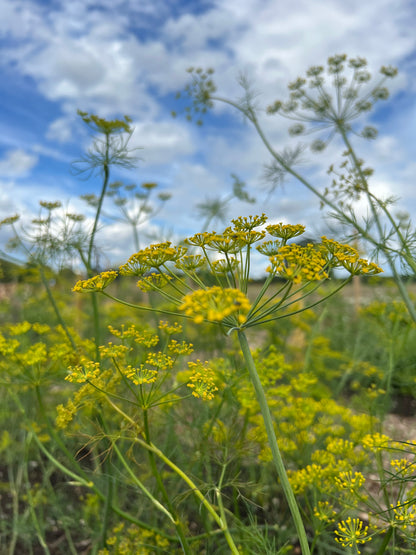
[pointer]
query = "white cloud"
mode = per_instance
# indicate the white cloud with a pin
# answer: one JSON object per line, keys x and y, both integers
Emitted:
{"x": 17, "y": 163}
{"x": 60, "y": 130}
{"x": 162, "y": 142}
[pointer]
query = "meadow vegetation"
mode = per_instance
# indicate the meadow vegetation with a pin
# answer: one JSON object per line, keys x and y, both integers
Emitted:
{"x": 175, "y": 405}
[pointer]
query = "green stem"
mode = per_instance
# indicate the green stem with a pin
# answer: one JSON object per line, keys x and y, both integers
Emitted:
{"x": 386, "y": 541}
{"x": 138, "y": 483}
{"x": 39, "y": 532}
{"x": 81, "y": 478}
{"x": 156, "y": 474}
{"x": 277, "y": 458}
{"x": 150, "y": 447}
{"x": 194, "y": 488}
{"x": 399, "y": 282}
{"x": 55, "y": 308}
{"x": 15, "y": 483}
{"x": 106, "y": 170}
{"x": 96, "y": 316}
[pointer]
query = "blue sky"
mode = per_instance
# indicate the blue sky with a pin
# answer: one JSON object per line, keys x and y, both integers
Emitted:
{"x": 130, "y": 57}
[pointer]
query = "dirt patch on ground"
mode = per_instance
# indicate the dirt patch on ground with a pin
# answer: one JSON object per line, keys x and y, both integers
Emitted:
{"x": 400, "y": 428}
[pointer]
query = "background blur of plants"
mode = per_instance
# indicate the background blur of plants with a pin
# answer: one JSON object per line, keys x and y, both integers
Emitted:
{"x": 75, "y": 474}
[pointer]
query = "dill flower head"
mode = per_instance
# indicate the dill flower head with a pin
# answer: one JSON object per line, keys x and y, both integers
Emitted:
{"x": 329, "y": 101}
{"x": 10, "y": 220}
{"x": 153, "y": 282}
{"x": 404, "y": 515}
{"x": 285, "y": 231}
{"x": 50, "y": 205}
{"x": 86, "y": 371}
{"x": 349, "y": 481}
{"x": 351, "y": 532}
{"x": 249, "y": 223}
{"x": 215, "y": 304}
{"x": 96, "y": 283}
{"x": 299, "y": 264}
{"x": 202, "y": 380}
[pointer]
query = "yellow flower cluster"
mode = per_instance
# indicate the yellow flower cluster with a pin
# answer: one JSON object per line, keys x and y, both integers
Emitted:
{"x": 123, "y": 540}
{"x": 170, "y": 329}
{"x": 180, "y": 349}
{"x": 65, "y": 415}
{"x": 154, "y": 256}
{"x": 142, "y": 336}
{"x": 199, "y": 239}
{"x": 324, "y": 511}
{"x": 224, "y": 266}
{"x": 160, "y": 360}
{"x": 299, "y": 264}
{"x": 140, "y": 375}
{"x": 404, "y": 467}
{"x": 214, "y": 304}
{"x": 202, "y": 380}
{"x": 190, "y": 263}
{"x": 248, "y": 223}
{"x": 153, "y": 282}
{"x": 35, "y": 354}
{"x": 375, "y": 442}
{"x": 285, "y": 231}
{"x": 9, "y": 221}
{"x": 96, "y": 283}
{"x": 8, "y": 346}
{"x": 348, "y": 258}
{"x": 405, "y": 514}
{"x": 86, "y": 371}
{"x": 351, "y": 533}
{"x": 113, "y": 351}
{"x": 350, "y": 481}
{"x": 19, "y": 328}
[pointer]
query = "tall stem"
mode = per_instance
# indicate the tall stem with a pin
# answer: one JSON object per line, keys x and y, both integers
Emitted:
{"x": 277, "y": 457}
{"x": 94, "y": 301}
{"x": 55, "y": 308}
{"x": 178, "y": 524}
{"x": 397, "y": 278}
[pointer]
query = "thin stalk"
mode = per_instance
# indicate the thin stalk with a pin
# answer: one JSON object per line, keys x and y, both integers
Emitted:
{"x": 194, "y": 488}
{"x": 105, "y": 524}
{"x": 140, "y": 485}
{"x": 153, "y": 449}
{"x": 81, "y": 478}
{"x": 39, "y": 532}
{"x": 399, "y": 282}
{"x": 96, "y": 316}
{"x": 256, "y": 322}
{"x": 156, "y": 474}
{"x": 55, "y": 308}
{"x": 106, "y": 170}
{"x": 386, "y": 541}
{"x": 221, "y": 504}
{"x": 16, "y": 483}
{"x": 277, "y": 457}
{"x": 146, "y": 308}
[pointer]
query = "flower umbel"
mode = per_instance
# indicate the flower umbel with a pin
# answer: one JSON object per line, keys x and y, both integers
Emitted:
{"x": 351, "y": 533}
{"x": 202, "y": 380}
{"x": 215, "y": 304}
{"x": 96, "y": 283}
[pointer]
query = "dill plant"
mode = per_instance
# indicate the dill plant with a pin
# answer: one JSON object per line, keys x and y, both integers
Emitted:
{"x": 328, "y": 102}
{"x": 227, "y": 257}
